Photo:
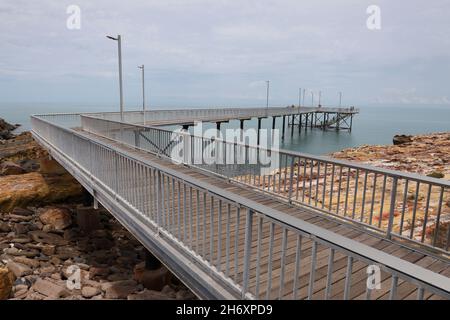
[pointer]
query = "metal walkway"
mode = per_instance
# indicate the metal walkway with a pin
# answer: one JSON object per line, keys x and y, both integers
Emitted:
{"x": 231, "y": 237}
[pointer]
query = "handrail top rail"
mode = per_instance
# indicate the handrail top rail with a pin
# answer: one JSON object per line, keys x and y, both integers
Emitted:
{"x": 396, "y": 264}
{"x": 393, "y": 173}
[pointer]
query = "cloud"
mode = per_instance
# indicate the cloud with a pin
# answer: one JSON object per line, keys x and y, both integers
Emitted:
{"x": 217, "y": 50}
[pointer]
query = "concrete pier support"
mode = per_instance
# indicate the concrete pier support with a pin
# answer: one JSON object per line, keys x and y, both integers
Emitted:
{"x": 282, "y": 129}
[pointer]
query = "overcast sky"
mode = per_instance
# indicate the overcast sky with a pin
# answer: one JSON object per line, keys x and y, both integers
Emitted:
{"x": 220, "y": 52}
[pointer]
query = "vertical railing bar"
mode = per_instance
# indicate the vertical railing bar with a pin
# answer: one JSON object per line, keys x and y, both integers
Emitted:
{"x": 269, "y": 266}
{"x": 227, "y": 246}
{"x": 247, "y": 251}
{"x": 283, "y": 262}
{"x": 317, "y": 184}
{"x": 383, "y": 194}
{"x": 236, "y": 244}
{"x": 438, "y": 216}
{"x": 373, "y": 197}
{"x": 348, "y": 277}
{"x": 346, "y": 191}
{"x": 393, "y": 291}
{"x": 310, "y": 181}
{"x": 329, "y": 274}
{"x": 219, "y": 236}
{"x": 425, "y": 218}
{"x": 258, "y": 259}
{"x": 339, "y": 190}
{"x": 312, "y": 271}
{"x": 405, "y": 198}
{"x": 324, "y": 184}
{"x": 355, "y": 194}
{"x": 298, "y": 253}
{"x": 413, "y": 221}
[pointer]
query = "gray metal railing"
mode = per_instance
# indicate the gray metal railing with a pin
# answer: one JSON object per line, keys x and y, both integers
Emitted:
{"x": 191, "y": 115}
{"x": 395, "y": 203}
{"x": 227, "y": 234}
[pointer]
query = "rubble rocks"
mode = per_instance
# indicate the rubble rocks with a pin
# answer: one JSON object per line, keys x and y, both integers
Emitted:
{"x": 64, "y": 251}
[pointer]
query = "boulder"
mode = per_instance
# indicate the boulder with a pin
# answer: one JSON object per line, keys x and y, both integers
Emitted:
{"x": 401, "y": 139}
{"x": 58, "y": 218}
{"x": 6, "y": 283}
{"x": 36, "y": 188}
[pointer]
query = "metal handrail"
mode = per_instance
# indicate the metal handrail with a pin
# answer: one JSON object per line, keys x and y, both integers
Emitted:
{"x": 397, "y": 268}
{"x": 302, "y": 165}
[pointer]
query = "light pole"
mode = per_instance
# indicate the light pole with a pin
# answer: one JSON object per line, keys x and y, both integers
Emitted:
{"x": 320, "y": 97}
{"x": 312, "y": 99}
{"x": 340, "y": 99}
{"x": 303, "y": 97}
{"x": 299, "y": 97}
{"x": 119, "y": 45}
{"x": 143, "y": 90}
{"x": 267, "y": 97}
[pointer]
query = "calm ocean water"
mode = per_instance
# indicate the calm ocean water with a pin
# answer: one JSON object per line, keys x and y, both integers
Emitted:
{"x": 374, "y": 125}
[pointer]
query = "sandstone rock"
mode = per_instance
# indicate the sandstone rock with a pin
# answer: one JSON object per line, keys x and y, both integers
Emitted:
{"x": 48, "y": 238}
{"x": 148, "y": 295}
{"x": 19, "y": 269}
{"x": 6, "y": 283}
{"x": 26, "y": 261}
{"x": 5, "y": 129}
{"x": 89, "y": 292}
{"x": 10, "y": 168}
{"x": 152, "y": 279}
{"x": 35, "y": 188}
{"x": 59, "y": 218}
{"x": 50, "y": 289}
{"x": 169, "y": 291}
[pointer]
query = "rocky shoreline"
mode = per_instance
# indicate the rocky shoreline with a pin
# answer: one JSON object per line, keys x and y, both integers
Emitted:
{"x": 53, "y": 246}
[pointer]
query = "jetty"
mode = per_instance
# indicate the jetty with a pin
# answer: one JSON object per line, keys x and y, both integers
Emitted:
{"x": 312, "y": 227}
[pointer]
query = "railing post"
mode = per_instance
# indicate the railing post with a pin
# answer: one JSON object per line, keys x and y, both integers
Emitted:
{"x": 392, "y": 206}
{"x": 291, "y": 177}
{"x": 247, "y": 251}
{"x": 158, "y": 198}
